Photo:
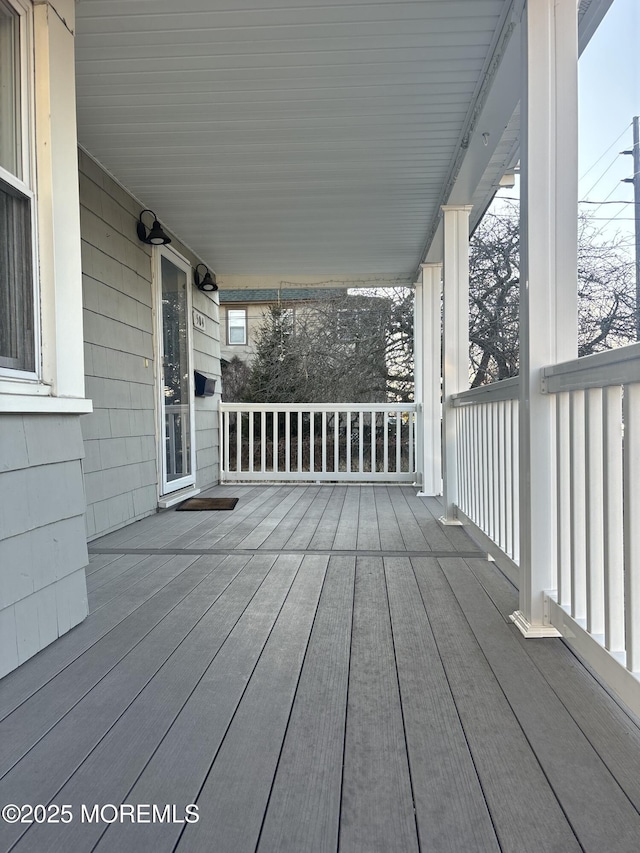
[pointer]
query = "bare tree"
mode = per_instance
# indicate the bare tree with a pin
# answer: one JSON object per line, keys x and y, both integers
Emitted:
{"x": 605, "y": 295}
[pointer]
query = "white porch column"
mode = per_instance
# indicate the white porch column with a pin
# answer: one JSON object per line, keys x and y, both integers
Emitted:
{"x": 548, "y": 289}
{"x": 456, "y": 341}
{"x": 418, "y": 385}
{"x": 427, "y": 358}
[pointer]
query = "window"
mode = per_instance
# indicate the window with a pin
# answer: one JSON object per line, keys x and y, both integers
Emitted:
{"x": 17, "y": 314}
{"x": 237, "y": 325}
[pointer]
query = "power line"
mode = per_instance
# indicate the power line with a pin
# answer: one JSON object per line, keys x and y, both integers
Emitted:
{"x": 604, "y": 153}
{"x": 586, "y": 201}
{"x": 615, "y": 159}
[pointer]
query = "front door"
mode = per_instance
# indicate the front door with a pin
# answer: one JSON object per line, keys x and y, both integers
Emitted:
{"x": 175, "y": 374}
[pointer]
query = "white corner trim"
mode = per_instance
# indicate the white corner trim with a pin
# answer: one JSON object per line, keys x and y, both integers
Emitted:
{"x": 532, "y": 631}
{"x": 177, "y": 497}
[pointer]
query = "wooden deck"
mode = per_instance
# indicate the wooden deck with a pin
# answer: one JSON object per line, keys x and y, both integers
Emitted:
{"x": 322, "y": 669}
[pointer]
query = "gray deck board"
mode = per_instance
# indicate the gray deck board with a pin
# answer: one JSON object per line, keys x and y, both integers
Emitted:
{"x": 346, "y": 537}
{"x": 610, "y": 729}
{"x": 308, "y": 525}
{"x": 519, "y": 799}
{"x": 113, "y": 767}
{"x": 326, "y": 530}
{"x": 559, "y": 744}
{"x": 236, "y": 791}
{"x": 323, "y": 669}
{"x": 22, "y": 683}
{"x": 24, "y": 727}
{"x": 451, "y": 811}
{"x": 377, "y": 804}
{"x": 46, "y": 767}
{"x": 304, "y": 807}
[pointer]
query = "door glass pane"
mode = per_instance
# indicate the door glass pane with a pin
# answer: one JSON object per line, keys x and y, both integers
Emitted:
{"x": 175, "y": 372}
{"x": 9, "y": 124}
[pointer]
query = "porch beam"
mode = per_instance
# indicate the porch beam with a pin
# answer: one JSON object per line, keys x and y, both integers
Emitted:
{"x": 456, "y": 342}
{"x": 548, "y": 291}
{"x": 427, "y": 374}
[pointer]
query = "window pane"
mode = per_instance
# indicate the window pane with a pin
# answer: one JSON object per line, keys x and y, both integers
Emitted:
{"x": 9, "y": 124}
{"x": 16, "y": 282}
{"x": 237, "y": 326}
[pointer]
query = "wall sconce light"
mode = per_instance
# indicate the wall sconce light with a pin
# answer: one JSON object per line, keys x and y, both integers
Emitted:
{"x": 155, "y": 237}
{"x": 207, "y": 282}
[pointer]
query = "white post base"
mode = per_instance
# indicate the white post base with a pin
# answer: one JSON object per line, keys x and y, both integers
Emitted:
{"x": 449, "y": 522}
{"x": 528, "y": 630}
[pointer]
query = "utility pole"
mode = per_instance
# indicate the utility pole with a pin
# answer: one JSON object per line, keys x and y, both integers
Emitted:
{"x": 635, "y": 180}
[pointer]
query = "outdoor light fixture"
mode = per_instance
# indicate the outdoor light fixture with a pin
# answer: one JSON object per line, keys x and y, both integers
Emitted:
{"x": 155, "y": 237}
{"x": 207, "y": 282}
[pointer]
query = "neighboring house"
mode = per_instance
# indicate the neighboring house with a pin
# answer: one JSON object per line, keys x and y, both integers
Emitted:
{"x": 242, "y": 314}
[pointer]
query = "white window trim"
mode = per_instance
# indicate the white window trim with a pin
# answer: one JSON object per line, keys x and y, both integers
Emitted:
{"x": 244, "y": 343}
{"x": 49, "y": 140}
{"x": 25, "y": 185}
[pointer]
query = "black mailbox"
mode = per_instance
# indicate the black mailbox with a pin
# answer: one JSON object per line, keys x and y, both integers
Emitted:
{"x": 204, "y": 385}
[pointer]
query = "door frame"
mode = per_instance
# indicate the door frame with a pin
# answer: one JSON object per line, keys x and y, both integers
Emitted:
{"x": 166, "y": 487}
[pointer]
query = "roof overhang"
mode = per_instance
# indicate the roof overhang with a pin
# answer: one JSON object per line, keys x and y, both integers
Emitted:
{"x": 304, "y": 139}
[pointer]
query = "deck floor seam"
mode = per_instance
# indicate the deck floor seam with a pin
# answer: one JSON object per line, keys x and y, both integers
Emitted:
{"x": 344, "y": 552}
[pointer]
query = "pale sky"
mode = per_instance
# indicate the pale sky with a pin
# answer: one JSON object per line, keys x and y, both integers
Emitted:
{"x": 609, "y": 78}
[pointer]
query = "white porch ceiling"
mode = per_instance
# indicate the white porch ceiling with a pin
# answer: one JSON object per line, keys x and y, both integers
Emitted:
{"x": 289, "y": 136}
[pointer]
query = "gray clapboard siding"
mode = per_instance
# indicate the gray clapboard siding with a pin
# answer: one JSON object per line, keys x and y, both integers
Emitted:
{"x": 121, "y": 466}
{"x": 43, "y": 549}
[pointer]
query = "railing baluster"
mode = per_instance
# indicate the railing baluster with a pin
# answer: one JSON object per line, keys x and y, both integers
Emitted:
{"x": 263, "y": 442}
{"x": 226, "y": 416}
{"x": 276, "y": 442}
{"x": 348, "y": 440}
{"x": 287, "y": 442}
{"x": 299, "y": 441}
{"x": 385, "y": 439}
{"x": 336, "y": 442}
{"x": 239, "y": 442}
{"x": 594, "y": 511}
{"x": 398, "y": 440}
{"x": 563, "y": 498}
{"x": 410, "y": 439}
{"x": 312, "y": 443}
{"x": 324, "y": 442}
{"x": 613, "y": 524}
{"x": 361, "y": 442}
{"x": 508, "y": 479}
{"x": 578, "y": 538}
{"x": 373, "y": 442}
{"x": 631, "y": 485}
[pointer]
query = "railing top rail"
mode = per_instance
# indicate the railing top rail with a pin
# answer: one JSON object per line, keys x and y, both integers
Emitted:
{"x": 614, "y": 367}
{"x": 506, "y": 389}
{"x": 318, "y": 407}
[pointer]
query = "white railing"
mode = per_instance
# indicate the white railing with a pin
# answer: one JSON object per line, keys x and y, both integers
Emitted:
{"x": 363, "y": 442}
{"x": 487, "y": 487}
{"x": 598, "y": 504}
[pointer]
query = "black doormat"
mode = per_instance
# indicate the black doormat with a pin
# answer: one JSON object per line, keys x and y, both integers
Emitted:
{"x": 202, "y": 504}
